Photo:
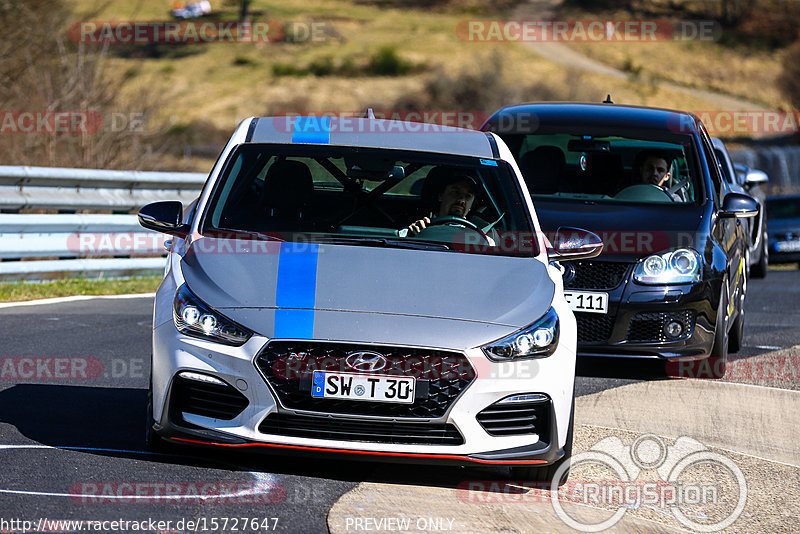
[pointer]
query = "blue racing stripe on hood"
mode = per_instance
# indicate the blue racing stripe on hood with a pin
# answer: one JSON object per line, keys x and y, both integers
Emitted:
{"x": 296, "y": 292}
{"x": 312, "y": 130}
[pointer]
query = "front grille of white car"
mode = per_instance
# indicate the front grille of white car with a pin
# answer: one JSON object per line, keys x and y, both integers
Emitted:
{"x": 441, "y": 376}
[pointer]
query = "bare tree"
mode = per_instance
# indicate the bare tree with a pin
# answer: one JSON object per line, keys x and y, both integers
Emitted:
{"x": 43, "y": 73}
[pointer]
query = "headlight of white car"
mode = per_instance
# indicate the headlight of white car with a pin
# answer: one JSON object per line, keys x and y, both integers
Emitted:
{"x": 194, "y": 318}
{"x": 539, "y": 340}
{"x": 675, "y": 267}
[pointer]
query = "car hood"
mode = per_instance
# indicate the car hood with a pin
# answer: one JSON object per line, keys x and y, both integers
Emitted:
{"x": 627, "y": 231}
{"x": 346, "y": 287}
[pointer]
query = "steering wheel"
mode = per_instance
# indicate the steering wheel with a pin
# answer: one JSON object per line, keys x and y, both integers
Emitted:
{"x": 453, "y": 220}
{"x": 644, "y": 192}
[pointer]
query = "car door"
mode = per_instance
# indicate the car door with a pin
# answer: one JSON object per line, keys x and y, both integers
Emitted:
{"x": 729, "y": 232}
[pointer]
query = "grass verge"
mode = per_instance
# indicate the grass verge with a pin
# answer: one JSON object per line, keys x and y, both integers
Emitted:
{"x": 22, "y": 290}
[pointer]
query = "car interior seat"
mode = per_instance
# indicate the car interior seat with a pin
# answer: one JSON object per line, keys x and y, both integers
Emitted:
{"x": 542, "y": 169}
{"x": 604, "y": 175}
{"x": 287, "y": 191}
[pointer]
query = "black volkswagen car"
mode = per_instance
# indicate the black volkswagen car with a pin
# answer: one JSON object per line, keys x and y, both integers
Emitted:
{"x": 671, "y": 281}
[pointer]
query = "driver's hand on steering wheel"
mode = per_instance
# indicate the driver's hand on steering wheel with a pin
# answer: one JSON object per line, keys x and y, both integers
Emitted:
{"x": 417, "y": 226}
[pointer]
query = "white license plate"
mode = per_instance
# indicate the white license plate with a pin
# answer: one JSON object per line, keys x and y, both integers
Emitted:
{"x": 587, "y": 301}
{"x": 788, "y": 246}
{"x": 363, "y": 387}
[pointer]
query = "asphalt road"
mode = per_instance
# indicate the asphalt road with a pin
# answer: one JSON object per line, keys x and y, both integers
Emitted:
{"x": 72, "y": 403}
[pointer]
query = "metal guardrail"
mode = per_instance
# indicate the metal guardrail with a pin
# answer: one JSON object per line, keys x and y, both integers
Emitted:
{"x": 46, "y": 245}
{"x": 781, "y": 163}
{"x": 48, "y": 188}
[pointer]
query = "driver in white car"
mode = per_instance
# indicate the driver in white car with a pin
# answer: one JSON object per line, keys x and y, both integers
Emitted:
{"x": 455, "y": 199}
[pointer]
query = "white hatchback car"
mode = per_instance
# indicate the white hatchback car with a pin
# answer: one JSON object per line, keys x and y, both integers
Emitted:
{"x": 366, "y": 289}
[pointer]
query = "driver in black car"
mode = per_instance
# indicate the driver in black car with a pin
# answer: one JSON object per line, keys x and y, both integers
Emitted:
{"x": 455, "y": 199}
{"x": 653, "y": 168}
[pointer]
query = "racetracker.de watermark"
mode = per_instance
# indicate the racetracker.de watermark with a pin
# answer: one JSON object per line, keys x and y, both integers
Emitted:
{"x": 69, "y": 122}
{"x": 198, "y": 32}
{"x": 770, "y": 367}
{"x": 23, "y": 368}
{"x": 740, "y": 122}
{"x": 404, "y": 121}
{"x": 138, "y": 492}
{"x": 591, "y": 31}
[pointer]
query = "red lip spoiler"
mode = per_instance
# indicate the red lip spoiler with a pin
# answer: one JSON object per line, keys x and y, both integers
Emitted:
{"x": 372, "y": 453}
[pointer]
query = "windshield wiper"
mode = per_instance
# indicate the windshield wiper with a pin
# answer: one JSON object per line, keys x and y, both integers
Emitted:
{"x": 227, "y": 233}
{"x": 383, "y": 242}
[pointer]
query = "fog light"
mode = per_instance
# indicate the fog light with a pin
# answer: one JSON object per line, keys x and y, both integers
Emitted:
{"x": 674, "y": 329}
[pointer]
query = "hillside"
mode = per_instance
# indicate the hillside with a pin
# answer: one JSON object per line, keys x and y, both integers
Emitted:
{"x": 395, "y": 55}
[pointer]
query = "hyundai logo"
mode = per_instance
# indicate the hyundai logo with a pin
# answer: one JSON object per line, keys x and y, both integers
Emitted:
{"x": 366, "y": 361}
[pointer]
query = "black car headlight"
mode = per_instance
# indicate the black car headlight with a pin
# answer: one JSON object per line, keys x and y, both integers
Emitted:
{"x": 680, "y": 266}
{"x": 538, "y": 340}
{"x": 195, "y": 318}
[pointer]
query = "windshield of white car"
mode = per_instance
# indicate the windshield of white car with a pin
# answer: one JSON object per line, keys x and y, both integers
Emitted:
{"x": 370, "y": 197}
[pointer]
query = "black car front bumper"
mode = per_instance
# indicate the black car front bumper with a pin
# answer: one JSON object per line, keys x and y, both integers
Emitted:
{"x": 638, "y": 315}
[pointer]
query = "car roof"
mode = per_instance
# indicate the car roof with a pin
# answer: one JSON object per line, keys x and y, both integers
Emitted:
{"x": 371, "y": 133}
{"x": 592, "y": 114}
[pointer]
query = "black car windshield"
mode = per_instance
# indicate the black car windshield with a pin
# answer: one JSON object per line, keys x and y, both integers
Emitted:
{"x": 371, "y": 197}
{"x": 783, "y": 208}
{"x": 613, "y": 169}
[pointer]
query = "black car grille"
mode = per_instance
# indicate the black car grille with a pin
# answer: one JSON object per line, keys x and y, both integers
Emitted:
{"x": 594, "y": 328}
{"x": 516, "y": 418}
{"x": 650, "y": 327}
{"x": 595, "y": 275}
{"x": 206, "y": 399}
{"x": 332, "y": 428}
{"x": 441, "y": 377}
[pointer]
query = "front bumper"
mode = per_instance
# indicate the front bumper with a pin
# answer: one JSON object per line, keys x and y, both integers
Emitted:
{"x": 552, "y": 377}
{"x": 635, "y": 325}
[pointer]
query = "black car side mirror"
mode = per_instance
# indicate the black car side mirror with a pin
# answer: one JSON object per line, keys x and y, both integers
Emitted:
{"x": 164, "y": 217}
{"x": 739, "y": 205}
{"x": 574, "y": 244}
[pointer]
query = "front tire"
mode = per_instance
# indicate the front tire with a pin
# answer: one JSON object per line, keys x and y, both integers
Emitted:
{"x": 719, "y": 352}
{"x": 760, "y": 269}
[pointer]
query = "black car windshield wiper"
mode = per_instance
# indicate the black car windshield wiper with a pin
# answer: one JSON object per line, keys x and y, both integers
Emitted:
{"x": 383, "y": 242}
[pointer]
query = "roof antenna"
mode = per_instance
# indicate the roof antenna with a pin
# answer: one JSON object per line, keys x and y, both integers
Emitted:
{"x": 369, "y": 114}
{"x": 608, "y": 100}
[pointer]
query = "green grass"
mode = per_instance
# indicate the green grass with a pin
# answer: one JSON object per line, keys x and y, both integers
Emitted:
{"x": 20, "y": 291}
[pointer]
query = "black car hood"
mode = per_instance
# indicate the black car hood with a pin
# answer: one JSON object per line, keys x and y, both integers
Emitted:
{"x": 628, "y": 231}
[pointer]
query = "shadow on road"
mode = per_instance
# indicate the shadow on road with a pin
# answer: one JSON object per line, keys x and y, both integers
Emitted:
{"x": 110, "y": 422}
